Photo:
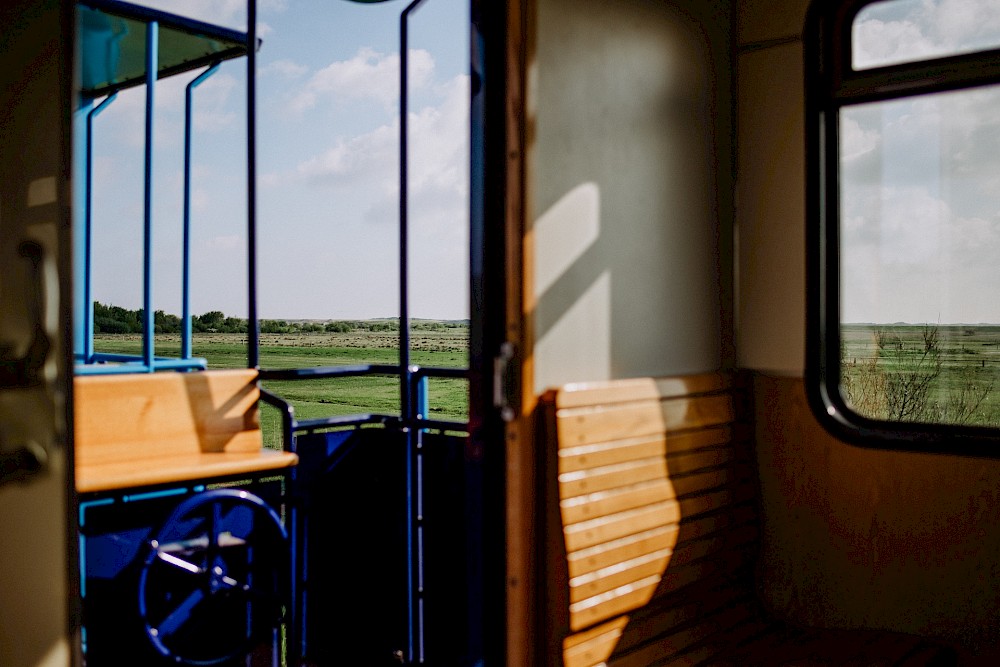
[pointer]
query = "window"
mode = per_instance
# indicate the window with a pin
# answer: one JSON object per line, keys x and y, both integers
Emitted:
{"x": 903, "y": 133}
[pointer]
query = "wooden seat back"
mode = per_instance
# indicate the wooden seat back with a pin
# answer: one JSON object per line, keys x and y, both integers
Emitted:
{"x": 649, "y": 491}
{"x": 151, "y": 428}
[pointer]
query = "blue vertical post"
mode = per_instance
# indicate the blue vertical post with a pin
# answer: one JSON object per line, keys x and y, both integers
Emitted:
{"x": 88, "y": 217}
{"x": 80, "y": 185}
{"x": 186, "y": 352}
{"x": 415, "y": 652}
{"x": 152, "y": 64}
{"x": 253, "y": 329}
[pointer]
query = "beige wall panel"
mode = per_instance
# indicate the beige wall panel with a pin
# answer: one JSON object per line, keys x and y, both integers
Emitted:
{"x": 630, "y": 177}
{"x": 763, "y": 20}
{"x": 856, "y": 537}
{"x": 34, "y": 554}
{"x": 770, "y": 211}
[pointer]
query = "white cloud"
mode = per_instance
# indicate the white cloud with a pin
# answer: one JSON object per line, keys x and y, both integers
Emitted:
{"x": 910, "y": 258}
{"x": 886, "y": 33}
{"x": 228, "y": 13}
{"x": 368, "y": 75}
{"x": 884, "y": 42}
{"x": 212, "y": 108}
{"x": 855, "y": 140}
{"x": 285, "y": 68}
{"x": 438, "y": 159}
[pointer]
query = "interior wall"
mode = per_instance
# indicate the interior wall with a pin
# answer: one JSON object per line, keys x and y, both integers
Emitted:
{"x": 34, "y": 552}
{"x": 630, "y": 182}
{"x": 852, "y": 537}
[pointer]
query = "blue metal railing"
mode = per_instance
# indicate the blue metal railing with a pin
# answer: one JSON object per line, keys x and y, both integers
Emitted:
{"x": 88, "y": 361}
{"x": 186, "y": 262}
{"x": 416, "y": 377}
{"x": 413, "y": 423}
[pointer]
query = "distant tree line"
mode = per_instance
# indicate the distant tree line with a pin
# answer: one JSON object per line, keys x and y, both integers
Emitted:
{"x": 118, "y": 320}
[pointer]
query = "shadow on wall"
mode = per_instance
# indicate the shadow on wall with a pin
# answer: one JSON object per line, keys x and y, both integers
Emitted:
{"x": 572, "y": 317}
{"x": 628, "y": 132}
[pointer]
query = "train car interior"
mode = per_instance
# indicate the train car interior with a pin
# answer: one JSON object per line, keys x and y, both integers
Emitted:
{"x": 732, "y": 343}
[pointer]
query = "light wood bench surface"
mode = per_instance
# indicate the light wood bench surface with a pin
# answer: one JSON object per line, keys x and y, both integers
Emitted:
{"x": 651, "y": 536}
{"x": 153, "y": 428}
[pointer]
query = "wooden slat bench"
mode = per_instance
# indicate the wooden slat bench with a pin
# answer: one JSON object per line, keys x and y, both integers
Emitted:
{"x": 651, "y": 536}
{"x": 155, "y": 428}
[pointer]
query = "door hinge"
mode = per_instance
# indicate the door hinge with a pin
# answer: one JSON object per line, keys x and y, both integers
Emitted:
{"x": 504, "y": 381}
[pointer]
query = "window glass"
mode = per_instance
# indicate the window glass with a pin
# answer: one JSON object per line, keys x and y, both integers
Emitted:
{"x": 903, "y": 31}
{"x": 920, "y": 257}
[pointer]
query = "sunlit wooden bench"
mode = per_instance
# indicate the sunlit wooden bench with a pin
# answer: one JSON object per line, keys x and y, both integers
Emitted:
{"x": 155, "y": 428}
{"x": 651, "y": 536}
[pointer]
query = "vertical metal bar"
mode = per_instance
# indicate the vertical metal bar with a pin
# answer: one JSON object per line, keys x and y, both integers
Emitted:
{"x": 253, "y": 330}
{"x": 152, "y": 47}
{"x": 413, "y": 500}
{"x": 186, "y": 261}
{"x": 421, "y": 410}
{"x": 88, "y": 217}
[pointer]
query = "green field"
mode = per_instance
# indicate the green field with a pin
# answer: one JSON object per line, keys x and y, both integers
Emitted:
{"x": 445, "y": 347}
{"x": 942, "y": 373}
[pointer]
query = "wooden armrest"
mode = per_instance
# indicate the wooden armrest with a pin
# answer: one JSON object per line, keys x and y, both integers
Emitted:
{"x": 181, "y": 468}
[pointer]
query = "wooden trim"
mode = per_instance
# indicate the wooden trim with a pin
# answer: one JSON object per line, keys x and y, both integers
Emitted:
{"x": 184, "y": 467}
{"x": 522, "y": 587}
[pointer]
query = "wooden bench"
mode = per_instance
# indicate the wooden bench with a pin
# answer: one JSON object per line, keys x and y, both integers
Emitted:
{"x": 651, "y": 536}
{"x": 155, "y": 428}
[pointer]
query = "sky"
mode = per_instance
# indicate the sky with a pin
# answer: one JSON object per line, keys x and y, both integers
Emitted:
{"x": 920, "y": 177}
{"x": 327, "y": 188}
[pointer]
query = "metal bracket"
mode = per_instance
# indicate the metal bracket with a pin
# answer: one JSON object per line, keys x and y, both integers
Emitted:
{"x": 504, "y": 396}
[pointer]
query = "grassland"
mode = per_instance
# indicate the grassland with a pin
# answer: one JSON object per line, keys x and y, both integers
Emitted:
{"x": 964, "y": 363}
{"x": 444, "y": 347}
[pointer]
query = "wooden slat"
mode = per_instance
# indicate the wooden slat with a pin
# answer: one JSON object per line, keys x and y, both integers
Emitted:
{"x": 583, "y": 426}
{"x": 183, "y": 467}
{"x": 742, "y": 536}
{"x": 634, "y": 595}
{"x": 680, "y": 443}
{"x": 703, "y": 482}
{"x": 642, "y": 465}
{"x": 639, "y": 389}
{"x": 593, "y": 647}
{"x": 584, "y": 508}
{"x": 720, "y": 643}
{"x": 618, "y": 575}
{"x": 585, "y": 457}
{"x": 663, "y": 618}
{"x": 573, "y": 459}
{"x": 693, "y": 506}
{"x": 618, "y": 551}
{"x": 584, "y": 482}
{"x": 590, "y": 533}
{"x": 612, "y": 603}
{"x": 708, "y": 458}
{"x": 137, "y": 417}
{"x": 684, "y": 639}
{"x": 698, "y": 527}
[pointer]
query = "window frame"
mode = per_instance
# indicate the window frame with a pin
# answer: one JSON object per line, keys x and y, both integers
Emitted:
{"x": 831, "y": 83}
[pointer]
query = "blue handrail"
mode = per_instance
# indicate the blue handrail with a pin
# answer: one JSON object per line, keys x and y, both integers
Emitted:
{"x": 88, "y": 218}
{"x": 186, "y": 261}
